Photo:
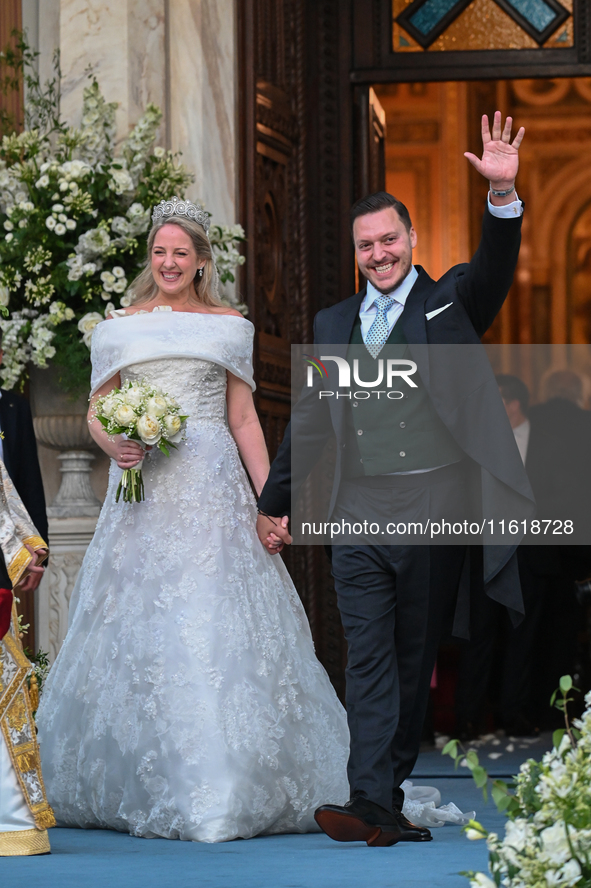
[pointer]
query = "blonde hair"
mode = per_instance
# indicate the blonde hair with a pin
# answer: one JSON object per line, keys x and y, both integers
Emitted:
{"x": 144, "y": 287}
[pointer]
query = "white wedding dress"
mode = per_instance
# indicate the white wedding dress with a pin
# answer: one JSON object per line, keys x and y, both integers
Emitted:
{"x": 187, "y": 701}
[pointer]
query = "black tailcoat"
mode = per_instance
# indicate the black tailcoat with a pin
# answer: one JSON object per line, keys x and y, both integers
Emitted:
{"x": 469, "y": 405}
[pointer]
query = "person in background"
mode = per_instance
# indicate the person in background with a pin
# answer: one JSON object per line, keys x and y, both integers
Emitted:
{"x": 554, "y": 441}
{"x": 18, "y": 451}
{"x": 25, "y": 815}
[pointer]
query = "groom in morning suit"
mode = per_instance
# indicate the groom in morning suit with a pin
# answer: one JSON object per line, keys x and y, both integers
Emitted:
{"x": 395, "y": 600}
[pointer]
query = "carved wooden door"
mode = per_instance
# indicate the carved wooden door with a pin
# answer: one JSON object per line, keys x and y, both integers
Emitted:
{"x": 276, "y": 213}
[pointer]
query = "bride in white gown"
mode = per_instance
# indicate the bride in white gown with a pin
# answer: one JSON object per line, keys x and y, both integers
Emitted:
{"x": 187, "y": 701}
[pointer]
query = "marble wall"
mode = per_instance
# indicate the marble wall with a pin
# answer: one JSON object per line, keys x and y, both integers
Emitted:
{"x": 179, "y": 54}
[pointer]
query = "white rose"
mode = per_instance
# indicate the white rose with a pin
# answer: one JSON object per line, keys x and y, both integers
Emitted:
{"x": 42, "y": 182}
{"x": 8, "y": 225}
{"x": 87, "y": 324}
{"x": 4, "y": 295}
{"x": 9, "y": 237}
{"x": 64, "y": 186}
{"x": 172, "y": 424}
{"x": 50, "y": 222}
{"x": 70, "y": 224}
{"x": 106, "y": 296}
{"x": 125, "y": 415}
{"x": 159, "y": 152}
{"x": 60, "y": 229}
{"x": 125, "y": 301}
{"x": 22, "y": 223}
{"x": 58, "y": 208}
{"x": 108, "y": 278}
{"x": 108, "y": 408}
{"x": 62, "y": 218}
{"x": 148, "y": 429}
{"x": 157, "y": 406}
{"x": 109, "y": 307}
{"x": 120, "y": 286}
{"x": 134, "y": 396}
{"x": 119, "y": 272}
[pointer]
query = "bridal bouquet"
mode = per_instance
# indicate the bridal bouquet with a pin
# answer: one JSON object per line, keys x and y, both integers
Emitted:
{"x": 143, "y": 413}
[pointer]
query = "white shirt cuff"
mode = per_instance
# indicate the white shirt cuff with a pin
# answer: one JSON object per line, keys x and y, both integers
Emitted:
{"x": 509, "y": 211}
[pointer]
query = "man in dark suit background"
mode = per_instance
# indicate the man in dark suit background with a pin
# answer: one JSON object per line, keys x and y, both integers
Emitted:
{"x": 395, "y": 600}
{"x": 18, "y": 451}
{"x": 554, "y": 441}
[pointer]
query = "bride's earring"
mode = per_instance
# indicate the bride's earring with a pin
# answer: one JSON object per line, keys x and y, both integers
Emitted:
{"x": 200, "y": 273}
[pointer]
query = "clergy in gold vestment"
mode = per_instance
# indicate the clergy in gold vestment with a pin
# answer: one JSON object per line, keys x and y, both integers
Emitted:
{"x": 25, "y": 814}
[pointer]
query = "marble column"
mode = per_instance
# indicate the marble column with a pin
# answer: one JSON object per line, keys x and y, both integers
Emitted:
{"x": 181, "y": 55}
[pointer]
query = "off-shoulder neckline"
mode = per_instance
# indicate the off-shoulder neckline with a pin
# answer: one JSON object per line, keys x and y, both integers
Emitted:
{"x": 121, "y": 313}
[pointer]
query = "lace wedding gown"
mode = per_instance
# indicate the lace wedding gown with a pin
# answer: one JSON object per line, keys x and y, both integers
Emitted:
{"x": 186, "y": 701}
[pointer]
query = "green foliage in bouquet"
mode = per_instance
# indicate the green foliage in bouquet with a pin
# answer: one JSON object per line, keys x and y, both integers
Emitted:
{"x": 547, "y": 841}
{"x": 74, "y": 215}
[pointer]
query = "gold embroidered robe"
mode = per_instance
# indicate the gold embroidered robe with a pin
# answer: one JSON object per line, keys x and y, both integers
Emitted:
{"x": 16, "y": 717}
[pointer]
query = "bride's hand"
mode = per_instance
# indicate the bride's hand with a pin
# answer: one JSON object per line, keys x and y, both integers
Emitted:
{"x": 128, "y": 454}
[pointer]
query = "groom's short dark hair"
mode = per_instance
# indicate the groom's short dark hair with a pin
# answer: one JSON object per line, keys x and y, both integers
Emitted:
{"x": 381, "y": 200}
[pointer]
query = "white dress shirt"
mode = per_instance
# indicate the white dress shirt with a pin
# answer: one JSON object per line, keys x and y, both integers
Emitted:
{"x": 521, "y": 433}
{"x": 368, "y": 309}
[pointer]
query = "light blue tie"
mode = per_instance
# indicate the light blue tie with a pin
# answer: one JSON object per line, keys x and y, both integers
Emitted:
{"x": 380, "y": 329}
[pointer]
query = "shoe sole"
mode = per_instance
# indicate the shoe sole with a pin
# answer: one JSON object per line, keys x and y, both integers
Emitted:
{"x": 343, "y": 827}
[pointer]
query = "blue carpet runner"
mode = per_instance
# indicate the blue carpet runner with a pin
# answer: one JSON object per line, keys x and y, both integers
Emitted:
{"x": 104, "y": 859}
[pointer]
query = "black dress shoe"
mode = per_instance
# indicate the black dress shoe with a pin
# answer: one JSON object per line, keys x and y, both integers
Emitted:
{"x": 409, "y": 831}
{"x": 359, "y": 821}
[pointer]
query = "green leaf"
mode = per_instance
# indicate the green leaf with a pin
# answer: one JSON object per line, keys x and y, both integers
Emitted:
{"x": 472, "y": 759}
{"x": 576, "y": 733}
{"x": 557, "y": 737}
{"x": 451, "y": 748}
{"x": 480, "y": 776}
{"x": 553, "y": 698}
{"x": 566, "y": 683}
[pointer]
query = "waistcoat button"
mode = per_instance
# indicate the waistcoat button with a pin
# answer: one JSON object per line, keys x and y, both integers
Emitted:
{"x": 402, "y": 453}
{"x": 402, "y": 425}
{"x": 359, "y": 432}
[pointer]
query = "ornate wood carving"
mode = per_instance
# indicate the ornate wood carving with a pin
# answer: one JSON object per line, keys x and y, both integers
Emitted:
{"x": 276, "y": 207}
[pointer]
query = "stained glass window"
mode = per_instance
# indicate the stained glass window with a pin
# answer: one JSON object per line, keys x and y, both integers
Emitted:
{"x": 481, "y": 24}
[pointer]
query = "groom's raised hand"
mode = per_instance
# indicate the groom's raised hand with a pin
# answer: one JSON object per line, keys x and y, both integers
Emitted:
{"x": 273, "y": 532}
{"x": 500, "y": 156}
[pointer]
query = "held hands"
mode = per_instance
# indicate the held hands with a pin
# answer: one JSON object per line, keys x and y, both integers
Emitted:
{"x": 34, "y": 571}
{"x": 273, "y": 532}
{"x": 500, "y": 156}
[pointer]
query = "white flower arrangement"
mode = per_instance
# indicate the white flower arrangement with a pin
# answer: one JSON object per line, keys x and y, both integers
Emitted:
{"x": 73, "y": 224}
{"x": 547, "y": 841}
{"x": 144, "y": 413}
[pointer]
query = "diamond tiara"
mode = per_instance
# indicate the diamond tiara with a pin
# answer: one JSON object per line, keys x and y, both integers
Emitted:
{"x": 176, "y": 207}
